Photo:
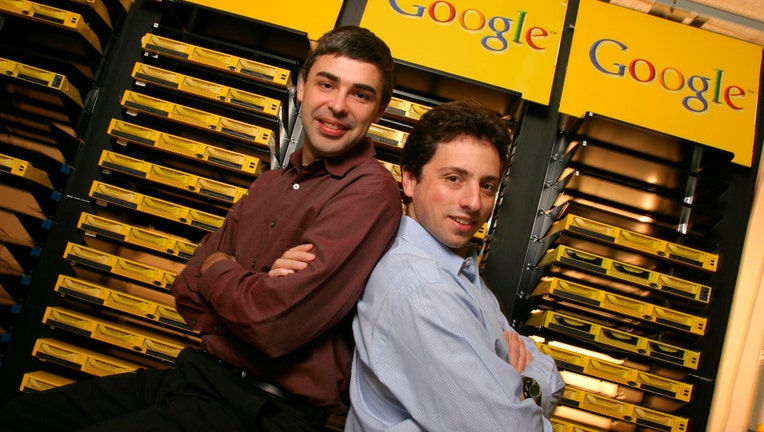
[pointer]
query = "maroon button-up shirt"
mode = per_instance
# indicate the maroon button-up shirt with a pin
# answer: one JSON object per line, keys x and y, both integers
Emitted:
{"x": 294, "y": 330}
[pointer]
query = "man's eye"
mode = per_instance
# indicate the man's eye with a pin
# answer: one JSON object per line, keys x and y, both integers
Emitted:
{"x": 453, "y": 179}
{"x": 363, "y": 96}
{"x": 488, "y": 187}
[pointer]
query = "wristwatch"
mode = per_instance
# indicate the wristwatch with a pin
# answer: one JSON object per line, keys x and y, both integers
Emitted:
{"x": 531, "y": 389}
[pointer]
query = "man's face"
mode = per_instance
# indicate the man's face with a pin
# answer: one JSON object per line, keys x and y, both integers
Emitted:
{"x": 341, "y": 98}
{"x": 455, "y": 194}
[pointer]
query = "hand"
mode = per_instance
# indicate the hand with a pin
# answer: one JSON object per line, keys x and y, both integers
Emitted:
{"x": 294, "y": 259}
{"x": 519, "y": 356}
{"x": 214, "y": 258}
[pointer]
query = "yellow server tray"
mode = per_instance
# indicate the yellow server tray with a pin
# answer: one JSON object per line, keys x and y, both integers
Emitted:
{"x": 132, "y": 338}
{"x": 621, "y": 304}
{"x": 59, "y": 83}
{"x": 42, "y": 380}
{"x": 561, "y": 425}
{"x": 636, "y": 241}
{"x": 628, "y": 412}
{"x": 107, "y": 193}
{"x": 136, "y": 102}
{"x": 24, "y": 169}
{"x": 589, "y": 365}
{"x": 129, "y": 132}
{"x": 48, "y": 15}
{"x": 117, "y": 265}
{"x": 171, "y": 177}
{"x": 161, "y": 242}
{"x": 627, "y": 272}
{"x": 118, "y": 300}
{"x": 590, "y": 331}
{"x": 243, "y": 67}
{"x": 387, "y": 136}
{"x": 569, "y": 419}
{"x": 409, "y": 110}
{"x": 207, "y": 89}
{"x": 78, "y": 358}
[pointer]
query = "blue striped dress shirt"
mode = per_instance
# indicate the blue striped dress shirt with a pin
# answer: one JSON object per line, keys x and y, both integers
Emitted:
{"x": 430, "y": 348}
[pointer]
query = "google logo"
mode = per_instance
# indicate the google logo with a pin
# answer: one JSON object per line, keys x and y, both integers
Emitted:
{"x": 501, "y": 30}
{"x": 669, "y": 78}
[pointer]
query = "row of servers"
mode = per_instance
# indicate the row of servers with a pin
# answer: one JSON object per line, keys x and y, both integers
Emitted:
{"x": 622, "y": 273}
{"x": 51, "y": 56}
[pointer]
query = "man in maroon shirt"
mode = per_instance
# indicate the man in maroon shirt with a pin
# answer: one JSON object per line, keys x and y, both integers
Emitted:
{"x": 272, "y": 291}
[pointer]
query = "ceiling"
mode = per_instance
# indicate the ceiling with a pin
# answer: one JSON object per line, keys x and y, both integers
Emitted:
{"x": 741, "y": 19}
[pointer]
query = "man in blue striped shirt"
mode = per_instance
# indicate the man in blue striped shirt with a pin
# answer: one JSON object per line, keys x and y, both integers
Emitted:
{"x": 433, "y": 350}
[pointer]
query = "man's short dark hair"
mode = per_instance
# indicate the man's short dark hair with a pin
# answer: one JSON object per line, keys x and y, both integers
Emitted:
{"x": 360, "y": 44}
{"x": 448, "y": 121}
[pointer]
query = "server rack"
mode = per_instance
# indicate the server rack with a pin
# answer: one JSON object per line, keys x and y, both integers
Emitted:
{"x": 159, "y": 142}
{"x": 626, "y": 270}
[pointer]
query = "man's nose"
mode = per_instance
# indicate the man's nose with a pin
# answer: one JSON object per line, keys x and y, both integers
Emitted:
{"x": 338, "y": 104}
{"x": 470, "y": 197}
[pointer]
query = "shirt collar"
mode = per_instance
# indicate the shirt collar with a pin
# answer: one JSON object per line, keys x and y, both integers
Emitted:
{"x": 411, "y": 231}
{"x": 340, "y": 165}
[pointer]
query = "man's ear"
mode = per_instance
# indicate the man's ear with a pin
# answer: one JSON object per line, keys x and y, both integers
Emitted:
{"x": 300, "y": 87}
{"x": 408, "y": 181}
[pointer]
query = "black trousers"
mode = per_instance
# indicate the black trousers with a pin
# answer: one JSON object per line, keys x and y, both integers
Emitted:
{"x": 197, "y": 394}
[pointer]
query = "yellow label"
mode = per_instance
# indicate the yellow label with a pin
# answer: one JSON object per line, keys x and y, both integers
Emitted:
{"x": 511, "y": 44}
{"x": 665, "y": 76}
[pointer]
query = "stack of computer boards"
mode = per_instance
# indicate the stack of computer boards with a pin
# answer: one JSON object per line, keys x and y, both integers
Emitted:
{"x": 51, "y": 53}
{"x": 199, "y": 120}
{"x": 622, "y": 276}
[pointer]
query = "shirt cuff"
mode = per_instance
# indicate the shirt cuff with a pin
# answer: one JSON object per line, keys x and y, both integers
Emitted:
{"x": 548, "y": 399}
{"x": 206, "y": 284}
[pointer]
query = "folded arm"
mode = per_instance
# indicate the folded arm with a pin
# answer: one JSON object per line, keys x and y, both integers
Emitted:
{"x": 277, "y": 313}
{"x": 440, "y": 362}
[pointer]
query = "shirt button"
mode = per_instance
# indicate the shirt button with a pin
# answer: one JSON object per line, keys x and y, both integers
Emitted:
{"x": 252, "y": 265}
{"x": 296, "y": 186}
{"x": 273, "y": 224}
